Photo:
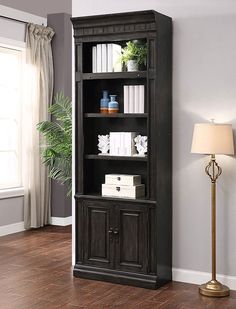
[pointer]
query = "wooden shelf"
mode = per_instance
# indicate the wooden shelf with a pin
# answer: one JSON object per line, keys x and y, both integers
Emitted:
{"x": 112, "y": 75}
{"x": 118, "y": 115}
{"x": 97, "y": 196}
{"x": 118, "y": 158}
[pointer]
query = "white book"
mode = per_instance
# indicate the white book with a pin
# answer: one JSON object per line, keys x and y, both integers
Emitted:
{"x": 114, "y": 143}
{"x": 129, "y": 143}
{"x": 99, "y": 58}
{"x": 114, "y": 58}
{"x": 141, "y": 99}
{"x": 126, "y": 99}
{"x": 104, "y": 57}
{"x": 109, "y": 58}
{"x": 94, "y": 59}
{"x": 136, "y": 99}
{"x": 122, "y": 148}
{"x": 131, "y": 99}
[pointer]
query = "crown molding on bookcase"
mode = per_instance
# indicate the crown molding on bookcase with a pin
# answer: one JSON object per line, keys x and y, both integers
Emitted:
{"x": 119, "y": 23}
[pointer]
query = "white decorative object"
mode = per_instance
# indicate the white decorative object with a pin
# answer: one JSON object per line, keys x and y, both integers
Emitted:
{"x": 141, "y": 145}
{"x": 132, "y": 65}
{"x": 122, "y": 179}
{"x": 133, "y": 192}
{"x": 103, "y": 144}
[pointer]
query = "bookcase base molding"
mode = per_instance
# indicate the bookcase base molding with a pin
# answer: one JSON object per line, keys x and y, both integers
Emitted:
{"x": 139, "y": 280}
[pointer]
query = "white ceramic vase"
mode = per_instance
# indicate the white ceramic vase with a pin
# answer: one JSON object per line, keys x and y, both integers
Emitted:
{"x": 132, "y": 65}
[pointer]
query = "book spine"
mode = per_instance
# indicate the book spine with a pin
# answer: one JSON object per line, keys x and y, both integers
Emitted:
{"x": 112, "y": 143}
{"x": 118, "y": 144}
{"x": 132, "y": 143}
{"x": 136, "y": 99}
{"x": 131, "y": 99}
{"x": 104, "y": 57}
{"x": 109, "y": 58}
{"x": 127, "y": 144}
{"x": 115, "y": 144}
{"x": 99, "y": 58}
{"x": 94, "y": 55}
{"x": 122, "y": 150}
{"x": 141, "y": 99}
{"x": 116, "y": 58}
{"x": 126, "y": 99}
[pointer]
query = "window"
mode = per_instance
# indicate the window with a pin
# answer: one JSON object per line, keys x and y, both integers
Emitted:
{"x": 10, "y": 118}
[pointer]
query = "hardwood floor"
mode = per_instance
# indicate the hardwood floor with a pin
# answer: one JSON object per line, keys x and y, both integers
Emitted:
{"x": 36, "y": 273}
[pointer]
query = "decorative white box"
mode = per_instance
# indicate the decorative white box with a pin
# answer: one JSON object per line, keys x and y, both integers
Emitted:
{"x": 123, "y": 180}
{"x": 132, "y": 192}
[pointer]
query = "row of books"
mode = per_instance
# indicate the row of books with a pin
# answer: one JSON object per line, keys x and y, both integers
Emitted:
{"x": 106, "y": 58}
{"x": 122, "y": 143}
{"x": 134, "y": 99}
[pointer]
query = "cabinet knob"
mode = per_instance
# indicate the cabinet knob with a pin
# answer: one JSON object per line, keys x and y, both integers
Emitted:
{"x": 110, "y": 230}
{"x": 116, "y": 232}
{"x": 118, "y": 189}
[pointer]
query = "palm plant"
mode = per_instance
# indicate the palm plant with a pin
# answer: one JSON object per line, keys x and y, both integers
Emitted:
{"x": 57, "y": 141}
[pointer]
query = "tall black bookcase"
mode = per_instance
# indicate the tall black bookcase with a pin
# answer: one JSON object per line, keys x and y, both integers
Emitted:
{"x": 122, "y": 240}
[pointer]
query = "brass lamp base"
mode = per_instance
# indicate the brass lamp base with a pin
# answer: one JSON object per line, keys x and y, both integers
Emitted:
{"x": 214, "y": 288}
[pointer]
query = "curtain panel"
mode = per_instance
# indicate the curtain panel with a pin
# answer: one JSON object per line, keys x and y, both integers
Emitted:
{"x": 37, "y": 98}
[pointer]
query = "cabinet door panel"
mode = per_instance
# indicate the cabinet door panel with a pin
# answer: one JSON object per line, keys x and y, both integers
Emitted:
{"x": 132, "y": 241}
{"x": 97, "y": 237}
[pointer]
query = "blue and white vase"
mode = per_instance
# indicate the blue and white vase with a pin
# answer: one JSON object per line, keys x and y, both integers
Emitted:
{"x": 104, "y": 102}
{"x": 113, "y": 105}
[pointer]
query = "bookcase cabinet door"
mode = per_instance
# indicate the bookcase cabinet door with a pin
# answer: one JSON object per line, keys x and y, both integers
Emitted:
{"x": 132, "y": 238}
{"x": 97, "y": 234}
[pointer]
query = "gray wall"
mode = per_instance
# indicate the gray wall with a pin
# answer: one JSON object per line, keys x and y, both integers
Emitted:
{"x": 62, "y": 57}
{"x": 204, "y": 87}
{"x": 11, "y": 210}
{"x": 41, "y": 8}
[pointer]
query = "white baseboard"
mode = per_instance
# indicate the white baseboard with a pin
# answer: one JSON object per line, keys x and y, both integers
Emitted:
{"x": 61, "y": 221}
{"x": 198, "y": 277}
{"x": 12, "y": 228}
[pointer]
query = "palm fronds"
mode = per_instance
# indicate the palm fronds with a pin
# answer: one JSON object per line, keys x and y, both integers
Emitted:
{"x": 56, "y": 143}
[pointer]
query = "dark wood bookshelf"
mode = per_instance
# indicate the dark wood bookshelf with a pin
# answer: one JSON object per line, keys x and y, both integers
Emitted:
{"x": 125, "y": 241}
{"x": 118, "y": 115}
{"x": 117, "y": 158}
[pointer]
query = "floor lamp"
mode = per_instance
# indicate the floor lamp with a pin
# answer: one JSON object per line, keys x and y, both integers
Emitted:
{"x": 212, "y": 139}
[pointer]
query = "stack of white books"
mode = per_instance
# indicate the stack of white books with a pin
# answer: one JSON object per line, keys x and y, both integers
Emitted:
{"x": 106, "y": 58}
{"x": 122, "y": 143}
{"x": 133, "y": 99}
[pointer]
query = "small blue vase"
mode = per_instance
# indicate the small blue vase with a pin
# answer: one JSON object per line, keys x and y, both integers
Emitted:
{"x": 113, "y": 105}
{"x": 104, "y": 102}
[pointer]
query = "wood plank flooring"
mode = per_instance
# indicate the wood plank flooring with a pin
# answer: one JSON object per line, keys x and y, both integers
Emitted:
{"x": 36, "y": 273}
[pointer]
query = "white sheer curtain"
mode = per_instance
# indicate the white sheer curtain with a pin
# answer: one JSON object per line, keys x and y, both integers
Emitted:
{"x": 37, "y": 98}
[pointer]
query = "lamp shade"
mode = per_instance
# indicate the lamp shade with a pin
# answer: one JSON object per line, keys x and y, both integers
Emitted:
{"x": 212, "y": 138}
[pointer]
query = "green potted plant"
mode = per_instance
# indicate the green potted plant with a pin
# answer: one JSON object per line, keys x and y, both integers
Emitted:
{"x": 57, "y": 140}
{"x": 134, "y": 55}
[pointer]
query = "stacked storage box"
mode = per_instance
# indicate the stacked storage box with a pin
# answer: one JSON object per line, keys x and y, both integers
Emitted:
{"x": 123, "y": 186}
